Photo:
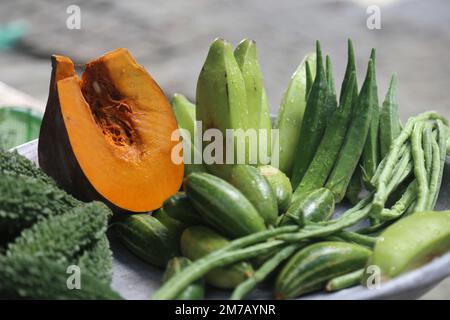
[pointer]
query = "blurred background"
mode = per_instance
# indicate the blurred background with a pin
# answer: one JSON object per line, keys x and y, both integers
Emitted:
{"x": 171, "y": 39}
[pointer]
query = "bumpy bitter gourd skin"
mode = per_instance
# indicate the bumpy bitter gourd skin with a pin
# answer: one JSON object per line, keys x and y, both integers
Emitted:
{"x": 25, "y": 200}
{"x": 98, "y": 260}
{"x": 28, "y": 277}
{"x": 13, "y": 163}
{"x": 61, "y": 238}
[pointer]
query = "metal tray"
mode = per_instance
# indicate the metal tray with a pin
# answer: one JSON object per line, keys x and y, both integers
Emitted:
{"x": 134, "y": 279}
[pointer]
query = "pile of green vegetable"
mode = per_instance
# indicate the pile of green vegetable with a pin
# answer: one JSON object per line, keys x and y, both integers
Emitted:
{"x": 235, "y": 226}
{"x": 43, "y": 231}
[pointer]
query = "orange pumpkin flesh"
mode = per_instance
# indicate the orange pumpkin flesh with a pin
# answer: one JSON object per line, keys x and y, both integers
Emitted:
{"x": 118, "y": 126}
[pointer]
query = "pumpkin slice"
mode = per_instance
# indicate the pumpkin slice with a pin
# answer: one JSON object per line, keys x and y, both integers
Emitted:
{"x": 108, "y": 135}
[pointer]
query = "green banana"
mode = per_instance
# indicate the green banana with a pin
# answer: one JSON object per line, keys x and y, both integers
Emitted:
{"x": 290, "y": 116}
{"x": 184, "y": 111}
{"x": 247, "y": 60}
{"x": 221, "y": 98}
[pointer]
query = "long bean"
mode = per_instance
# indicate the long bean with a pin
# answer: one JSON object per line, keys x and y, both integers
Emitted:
{"x": 243, "y": 289}
{"x": 442, "y": 142}
{"x": 171, "y": 288}
{"x": 339, "y": 224}
{"x": 345, "y": 281}
{"x": 400, "y": 207}
{"x": 357, "y": 238}
{"x": 392, "y": 157}
{"x": 419, "y": 166}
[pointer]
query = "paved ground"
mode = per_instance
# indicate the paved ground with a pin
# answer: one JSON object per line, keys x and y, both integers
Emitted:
{"x": 171, "y": 38}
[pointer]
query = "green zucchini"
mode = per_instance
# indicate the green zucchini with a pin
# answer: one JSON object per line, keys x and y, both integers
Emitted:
{"x": 194, "y": 291}
{"x": 280, "y": 184}
{"x": 316, "y": 206}
{"x": 410, "y": 243}
{"x": 148, "y": 238}
{"x": 317, "y": 112}
{"x": 180, "y": 208}
{"x": 312, "y": 267}
{"x": 355, "y": 139}
{"x": 328, "y": 150}
{"x": 290, "y": 115}
{"x": 371, "y": 153}
{"x": 184, "y": 112}
{"x": 223, "y": 206}
{"x": 199, "y": 241}
{"x": 389, "y": 118}
{"x": 257, "y": 190}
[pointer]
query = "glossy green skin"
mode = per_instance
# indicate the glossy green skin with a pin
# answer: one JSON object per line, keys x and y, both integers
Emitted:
{"x": 265, "y": 122}
{"x": 290, "y": 115}
{"x": 317, "y": 206}
{"x": 198, "y": 241}
{"x": 176, "y": 227}
{"x": 257, "y": 190}
{"x": 371, "y": 153}
{"x": 148, "y": 238}
{"x": 330, "y": 145}
{"x": 411, "y": 242}
{"x": 221, "y": 96}
{"x": 311, "y": 267}
{"x": 184, "y": 111}
{"x": 281, "y": 186}
{"x": 258, "y": 109}
{"x": 389, "y": 118}
{"x": 317, "y": 112}
{"x": 180, "y": 208}
{"x": 195, "y": 291}
{"x": 355, "y": 140}
{"x": 223, "y": 206}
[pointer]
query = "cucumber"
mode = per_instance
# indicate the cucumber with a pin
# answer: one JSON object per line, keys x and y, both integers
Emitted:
{"x": 410, "y": 243}
{"x": 328, "y": 150}
{"x": 311, "y": 267}
{"x": 389, "y": 119}
{"x": 315, "y": 119}
{"x": 198, "y": 241}
{"x": 355, "y": 140}
{"x": 222, "y": 206}
{"x": 194, "y": 291}
{"x": 281, "y": 186}
{"x": 184, "y": 111}
{"x": 174, "y": 226}
{"x": 290, "y": 115}
{"x": 316, "y": 206}
{"x": 148, "y": 238}
{"x": 371, "y": 153}
{"x": 180, "y": 208}
{"x": 257, "y": 190}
